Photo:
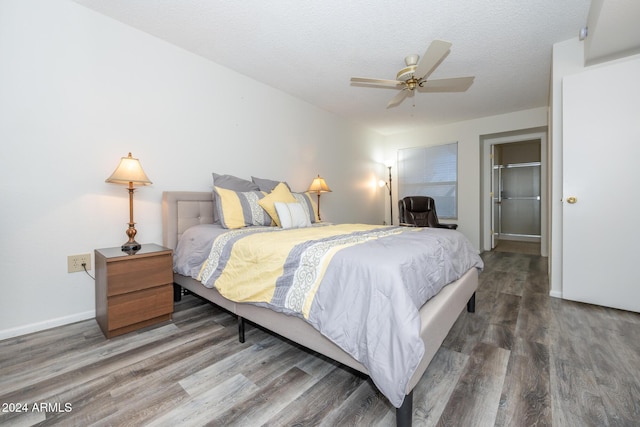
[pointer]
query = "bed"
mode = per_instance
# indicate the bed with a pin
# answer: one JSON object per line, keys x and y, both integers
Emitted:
{"x": 183, "y": 212}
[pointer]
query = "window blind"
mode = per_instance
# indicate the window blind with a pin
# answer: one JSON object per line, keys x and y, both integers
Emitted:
{"x": 431, "y": 171}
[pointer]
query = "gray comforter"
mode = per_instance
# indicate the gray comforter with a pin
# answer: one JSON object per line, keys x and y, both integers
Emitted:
{"x": 362, "y": 289}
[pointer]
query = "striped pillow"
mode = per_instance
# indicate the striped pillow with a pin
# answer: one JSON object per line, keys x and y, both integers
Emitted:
{"x": 310, "y": 207}
{"x": 238, "y": 209}
{"x": 292, "y": 215}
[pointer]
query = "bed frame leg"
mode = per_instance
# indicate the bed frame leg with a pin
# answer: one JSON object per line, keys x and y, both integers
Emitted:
{"x": 240, "y": 329}
{"x": 471, "y": 304}
{"x": 404, "y": 414}
{"x": 177, "y": 293}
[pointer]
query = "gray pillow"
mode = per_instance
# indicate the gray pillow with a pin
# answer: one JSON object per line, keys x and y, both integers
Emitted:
{"x": 234, "y": 183}
{"x": 267, "y": 184}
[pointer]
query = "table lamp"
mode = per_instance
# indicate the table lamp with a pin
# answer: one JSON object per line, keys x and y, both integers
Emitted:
{"x": 318, "y": 185}
{"x": 129, "y": 172}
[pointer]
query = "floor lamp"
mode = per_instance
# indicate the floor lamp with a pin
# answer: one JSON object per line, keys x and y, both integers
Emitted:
{"x": 318, "y": 185}
{"x": 382, "y": 183}
{"x": 130, "y": 172}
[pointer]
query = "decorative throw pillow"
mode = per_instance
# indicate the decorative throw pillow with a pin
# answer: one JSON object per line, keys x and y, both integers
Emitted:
{"x": 292, "y": 215}
{"x": 309, "y": 205}
{"x": 237, "y": 209}
{"x": 234, "y": 183}
{"x": 279, "y": 194}
{"x": 267, "y": 184}
{"x": 230, "y": 182}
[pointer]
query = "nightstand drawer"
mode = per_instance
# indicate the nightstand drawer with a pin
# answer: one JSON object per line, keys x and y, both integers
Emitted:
{"x": 140, "y": 273}
{"x": 134, "y": 307}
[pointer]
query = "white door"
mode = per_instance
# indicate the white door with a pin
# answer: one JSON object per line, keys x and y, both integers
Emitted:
{"x": 601, "y": 186}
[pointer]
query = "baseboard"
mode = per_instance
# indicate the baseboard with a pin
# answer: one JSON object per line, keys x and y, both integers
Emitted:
{"x": 555, "y": 294}
{"x": 519, "y": 238}
{"x": 47, "y": 324}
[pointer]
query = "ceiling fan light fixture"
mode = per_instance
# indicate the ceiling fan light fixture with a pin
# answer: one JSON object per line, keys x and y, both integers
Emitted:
{"x": 406, "y": 73}
{"x": 411, "y": 59}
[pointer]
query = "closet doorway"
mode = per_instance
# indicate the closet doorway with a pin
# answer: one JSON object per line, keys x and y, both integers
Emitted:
{"x": 516, "y": 193}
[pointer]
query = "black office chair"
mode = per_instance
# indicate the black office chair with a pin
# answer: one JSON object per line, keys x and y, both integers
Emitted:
{"x": 420, "y": 211}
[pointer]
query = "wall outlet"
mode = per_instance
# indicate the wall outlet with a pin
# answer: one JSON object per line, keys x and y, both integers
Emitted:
{"x": 74, "y": 262}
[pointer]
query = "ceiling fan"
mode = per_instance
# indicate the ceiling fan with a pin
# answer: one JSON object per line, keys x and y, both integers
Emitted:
{"x": 414, "y": 76}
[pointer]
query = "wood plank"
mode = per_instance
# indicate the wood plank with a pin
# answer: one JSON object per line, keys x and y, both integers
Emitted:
{"x": 317, "y": 365}
{"x": 364, "y": 407}
{"x": 467, "y": 331}
{"x": 262, "y": 405}
{"x": 617, "y": 374}
{"x": 499, "y": 336}
{"x": 575, "y": 396}
{"x": 525, "y": 399}
{"x": 505, "y": 311}
{"x": 200, "y": 409}
{"x": 431, "y": 394}
{"x": 51, "y": 377}
{"x": 533, "y": 318}
{"x": 146, "y": 407}
{"x": 312, "y": 406}
{"x": 476, "y": 396}
{"x": 174, "y": 364}
{"x": 537, "y": 282}
{"x": 246, "y": 361}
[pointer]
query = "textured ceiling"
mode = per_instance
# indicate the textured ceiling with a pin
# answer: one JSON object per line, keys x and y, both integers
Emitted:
{"x": 310, "y": 49}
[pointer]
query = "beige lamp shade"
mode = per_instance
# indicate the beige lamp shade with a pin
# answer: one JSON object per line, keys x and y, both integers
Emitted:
{"x": 129, "y": 171}
{"x": 318, "y": 185}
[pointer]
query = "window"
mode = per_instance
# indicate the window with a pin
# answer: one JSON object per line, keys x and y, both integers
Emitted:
{"x": 431, "y": 171}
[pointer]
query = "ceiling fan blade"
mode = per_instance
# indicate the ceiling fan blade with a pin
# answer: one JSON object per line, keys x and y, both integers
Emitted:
{"x": 436, "y": 52}
{"x": 399, "y": 97}
{"x": 380, "y": 82}
{"x": 455, "y": 84}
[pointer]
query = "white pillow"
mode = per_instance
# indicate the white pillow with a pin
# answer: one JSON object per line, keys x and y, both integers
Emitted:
{"x": 292, "y": 215}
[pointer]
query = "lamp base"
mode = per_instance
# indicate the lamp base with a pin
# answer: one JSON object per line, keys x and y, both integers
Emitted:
{"x": 131, "y": 247}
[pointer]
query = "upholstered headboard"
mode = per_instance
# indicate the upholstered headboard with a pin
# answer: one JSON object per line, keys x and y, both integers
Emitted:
{"x": 184, "y": 209}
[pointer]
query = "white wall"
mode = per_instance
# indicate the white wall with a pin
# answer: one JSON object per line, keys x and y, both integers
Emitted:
{"x": 568, "y": 58}
{"x": 469, "y": 135}
{"x": 79, "y": 90}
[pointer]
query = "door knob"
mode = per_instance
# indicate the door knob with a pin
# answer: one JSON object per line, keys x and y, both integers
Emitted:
{"x": 572, "y": 199}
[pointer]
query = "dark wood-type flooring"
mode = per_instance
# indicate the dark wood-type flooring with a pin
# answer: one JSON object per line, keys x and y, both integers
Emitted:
{"x": 523, "y": 359}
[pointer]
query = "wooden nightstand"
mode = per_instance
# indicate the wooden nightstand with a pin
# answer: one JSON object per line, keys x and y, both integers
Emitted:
{"x": 133, "y": 291}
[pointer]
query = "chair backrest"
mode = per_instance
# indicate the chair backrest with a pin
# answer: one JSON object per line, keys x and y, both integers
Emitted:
{"x": 419, "y": 211}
